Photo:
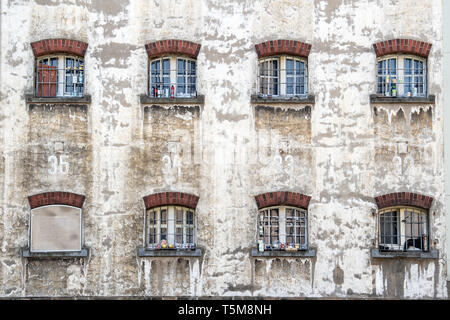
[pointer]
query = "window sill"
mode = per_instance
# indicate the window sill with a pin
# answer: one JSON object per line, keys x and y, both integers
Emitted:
{"x": 390, "y": 100}
{"x": 26, "y": 253}
{"x": 310, "y": 253}
{"x": 145, "y": 99}
{"x": 144, "y": 252}
{"x": 376, "y": 253}
{"x": 258, "y": 99}
{"x": 86, "y": 99}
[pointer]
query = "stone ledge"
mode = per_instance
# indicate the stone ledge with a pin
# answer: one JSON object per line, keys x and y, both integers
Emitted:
{"x": 145, "y": 99}
{"x": 389, "y": 100}
{"x": 86, "y": 99}
{"x": 26, "y": 253}
{"x": 377, "y": 254}
{"x": 258, "y": 99}
{"x": 144, "y": 252}
{"x": 310, "y": 253}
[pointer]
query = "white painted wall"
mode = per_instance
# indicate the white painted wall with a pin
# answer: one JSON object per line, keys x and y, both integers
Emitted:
{"x": 446, "y": 91}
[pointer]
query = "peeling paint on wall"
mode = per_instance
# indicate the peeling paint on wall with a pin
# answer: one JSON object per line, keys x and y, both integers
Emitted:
{"x": 341, "y": 150}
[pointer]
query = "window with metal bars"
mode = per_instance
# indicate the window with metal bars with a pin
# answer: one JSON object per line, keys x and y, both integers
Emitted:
{"x": 401, "y": 76}
{"x": 171, "y": 227}
{"x": 59, "y": 76}
{"x": 283, "y": 76}
{"x": 173, "y": 77}
{"x": 282, "y": 228}
{"x": 403, "y": 229}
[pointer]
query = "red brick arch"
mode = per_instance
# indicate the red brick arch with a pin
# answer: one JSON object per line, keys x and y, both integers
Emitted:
{"x": 51, "y": 46}
{"x": 171, "y": 198}
{"x": 57, "y": 197}
{"x": 289, "y": 47}
{"x": 408, "y": 46}
{"x": 172, "y": 46}
{"x": 282, "y": 198}
{"x": 404, "y": 199}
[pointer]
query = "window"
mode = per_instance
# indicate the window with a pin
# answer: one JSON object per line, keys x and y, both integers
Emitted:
{"x": 283, "y": 76}
{"x": 173, "y": 77}
{"x": 401, "y": 76}
{"x": 171, "y": 227}
{"x": 59, "y": 76}
{"x": 282, "y": 228}
{"x": 403, "y": 229}
{"x": 55, "y": 228}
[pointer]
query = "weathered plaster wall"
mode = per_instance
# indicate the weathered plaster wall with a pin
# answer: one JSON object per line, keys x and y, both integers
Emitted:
{"x": 339, "y": 150}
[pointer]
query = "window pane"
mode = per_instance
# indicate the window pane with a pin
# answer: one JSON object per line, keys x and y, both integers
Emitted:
{"x": 190, "y": 217}
{"x": 408, "y": 65}
{"x": 289, "y": 67}
{"x": 179, "y": 216}
{"x": 392, "y": 66}
{"x": 290, "y": 85}
{"x": 181, "y": 66}
{"x": 275, "y": 68}
{"x": 166, "y": 66}
{"x": 163, "y": 216}
{"x": 389, "y": 228}
{"x": 299, "y": 67}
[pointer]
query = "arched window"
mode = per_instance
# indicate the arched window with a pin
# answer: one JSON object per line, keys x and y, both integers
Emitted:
{"x": 283, "y": 228}
{"x": 283, "y": 68}
{"x": 170, "y": 221}
{"x": 172, "y": 69}
{"x": 171, "y": 227}
{"x": 282, "y": 221}
{"x": 402, "y": 68}
{"x": 59, "y": 68}
{"x": 403, "y": 222}
{"x": 56, "y": 222}
{"x": 403, "y": 229}
{"x": 402, "y": 76}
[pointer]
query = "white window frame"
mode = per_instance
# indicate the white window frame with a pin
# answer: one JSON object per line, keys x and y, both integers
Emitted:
{"x": 282, "y": 229}
{"x": 30, "y": 228}
{"x": 395, "y": 84}
{"x": 173, "y": 77}
{"x": 282, "y": 76}
{"x": 401, "y": 234}
{"x": 78, "y": 77}
{"x": 171, "y": 225}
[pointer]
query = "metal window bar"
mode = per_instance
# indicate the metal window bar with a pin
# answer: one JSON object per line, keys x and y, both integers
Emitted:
{"x": 403, "y": 230}
{"x": 53, "y": 80}
{"x": 283, "y": 229}
{"x": 166, "y": 82}
{"x": 283, "y": 82}
{"x": 409, "y": 81}
{"x": 171, "y": 228}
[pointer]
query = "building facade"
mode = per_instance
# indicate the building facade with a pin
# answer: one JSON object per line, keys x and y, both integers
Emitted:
{"x": 203, "y": 148}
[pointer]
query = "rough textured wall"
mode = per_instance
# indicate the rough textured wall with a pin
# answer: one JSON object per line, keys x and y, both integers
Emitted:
{"x": 349, "y": 150}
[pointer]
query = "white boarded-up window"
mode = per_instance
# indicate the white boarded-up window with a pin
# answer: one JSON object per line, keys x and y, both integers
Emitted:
{"x": 55, "y": 228}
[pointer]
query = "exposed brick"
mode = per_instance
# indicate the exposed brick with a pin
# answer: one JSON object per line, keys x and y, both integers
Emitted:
{"x": 57, "y": 197}
{"x": 52, "y": 46}
{"x": 404, "y": 199}
{"x": 282, "y": 198}
{"x": 397, "y": 46}
{"x": 171, "y": 198}
{"x": 289, "y": 47}
{"x": 172, "y": 46}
